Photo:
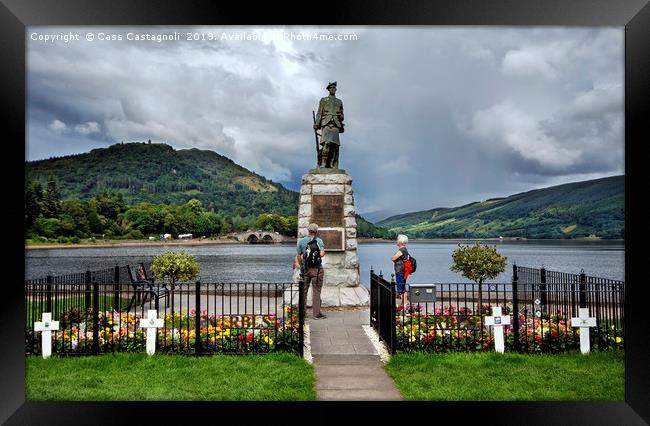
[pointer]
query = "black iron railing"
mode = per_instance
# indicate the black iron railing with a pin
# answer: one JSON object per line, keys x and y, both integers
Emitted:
{"x": 541, "y": 305}
{"x": 199, "y": 318}
{"x": 115, "y": 275}
{"x": 382, "y": 309}
{"x": 558, "y": 296}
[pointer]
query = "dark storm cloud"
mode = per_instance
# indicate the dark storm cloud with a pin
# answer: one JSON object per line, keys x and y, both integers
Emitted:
{"x": 435, "y": 116}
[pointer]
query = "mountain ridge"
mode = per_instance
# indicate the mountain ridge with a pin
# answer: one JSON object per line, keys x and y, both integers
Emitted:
{"x": 592, "y": 208}
{"x": 157, "y": 173}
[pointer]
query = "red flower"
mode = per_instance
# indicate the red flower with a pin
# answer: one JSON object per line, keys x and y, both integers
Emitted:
{"x": 538, "y": 338}
{"x": 249, "y": 337}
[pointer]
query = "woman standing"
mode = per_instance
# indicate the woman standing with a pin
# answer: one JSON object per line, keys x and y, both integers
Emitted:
{"x": 398, "y": 259}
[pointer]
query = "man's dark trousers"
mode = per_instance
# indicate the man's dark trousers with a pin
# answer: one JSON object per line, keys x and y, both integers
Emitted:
{"x": 314, "y": 275}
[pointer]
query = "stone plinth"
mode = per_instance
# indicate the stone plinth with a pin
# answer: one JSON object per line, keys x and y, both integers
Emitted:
{"x": 332, "y": 296}
{"x": 326, "y": 198}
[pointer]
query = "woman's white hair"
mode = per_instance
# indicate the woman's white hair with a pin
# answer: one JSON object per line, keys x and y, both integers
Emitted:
{"x": 401, "y": 238}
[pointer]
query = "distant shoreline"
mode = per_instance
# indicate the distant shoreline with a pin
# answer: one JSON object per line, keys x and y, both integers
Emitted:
{"x": 206, "y": 242}
{"x": 379, "y": 240}
{"x": 134, "y": 243}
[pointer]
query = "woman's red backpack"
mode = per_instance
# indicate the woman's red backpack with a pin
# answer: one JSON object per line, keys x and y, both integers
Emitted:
{"x": 410, "y": 265}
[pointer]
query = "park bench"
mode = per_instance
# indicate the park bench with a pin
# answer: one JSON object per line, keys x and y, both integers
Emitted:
{"x": 145, "y": 287}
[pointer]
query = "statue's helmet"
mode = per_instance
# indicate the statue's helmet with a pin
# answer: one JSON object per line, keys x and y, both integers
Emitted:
{"x": 332, "y": 84}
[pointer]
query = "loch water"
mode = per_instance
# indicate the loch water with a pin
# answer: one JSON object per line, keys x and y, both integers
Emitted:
{"x": 273, "y": 262}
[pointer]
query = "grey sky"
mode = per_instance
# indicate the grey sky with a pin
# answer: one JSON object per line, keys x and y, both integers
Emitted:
{"x": 435, "y": 116}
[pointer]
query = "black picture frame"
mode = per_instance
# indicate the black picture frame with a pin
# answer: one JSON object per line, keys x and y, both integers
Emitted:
{"x": 634, "y": 15}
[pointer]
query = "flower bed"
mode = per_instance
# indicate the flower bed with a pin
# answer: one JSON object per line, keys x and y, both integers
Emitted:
{"x": 217, "y": 333}
{"x": 448, "y": 328}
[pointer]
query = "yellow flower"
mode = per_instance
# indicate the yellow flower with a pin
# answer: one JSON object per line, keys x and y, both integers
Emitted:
{"x": 618, "y": 340}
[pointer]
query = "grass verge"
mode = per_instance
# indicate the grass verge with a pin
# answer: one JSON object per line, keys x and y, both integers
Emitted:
{"x": 130, "y": 377}
{"x": 509, "y": 377}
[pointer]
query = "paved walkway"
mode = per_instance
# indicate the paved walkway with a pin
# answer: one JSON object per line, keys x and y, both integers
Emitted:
{"x": 346, "y": 363}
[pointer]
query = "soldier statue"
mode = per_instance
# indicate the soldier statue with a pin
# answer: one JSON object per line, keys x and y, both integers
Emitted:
{"x": 329, "y": 119}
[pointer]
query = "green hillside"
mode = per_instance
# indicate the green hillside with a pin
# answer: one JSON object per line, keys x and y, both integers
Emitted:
{"x": 574, "y": 210}
{"x": 102, "y": 192}
{"x": 368, "y": 229}
{"x": 158, "y": 174}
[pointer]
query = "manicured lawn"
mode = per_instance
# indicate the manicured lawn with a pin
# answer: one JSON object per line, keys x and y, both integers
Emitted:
{"x": 492, "y": 376}
{"x": 113, "y": 377}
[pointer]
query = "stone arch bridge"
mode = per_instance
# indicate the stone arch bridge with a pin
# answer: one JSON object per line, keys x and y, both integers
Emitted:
{"x": 260, "y": 237}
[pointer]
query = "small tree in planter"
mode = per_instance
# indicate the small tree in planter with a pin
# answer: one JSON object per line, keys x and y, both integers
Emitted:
{"x": 478, "y": 263}
{"x": 174, "y": 267}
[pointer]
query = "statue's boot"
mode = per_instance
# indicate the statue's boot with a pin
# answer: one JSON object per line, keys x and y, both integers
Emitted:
{"x": 334, "y": 161}
{"x": 324, "y": 156}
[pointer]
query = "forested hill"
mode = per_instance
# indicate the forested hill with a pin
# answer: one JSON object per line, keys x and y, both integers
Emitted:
{"x": 575, "y": 210}
{"x": 158, "y": 174}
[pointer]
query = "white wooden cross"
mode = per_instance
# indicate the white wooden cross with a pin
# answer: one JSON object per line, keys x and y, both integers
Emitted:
{"x": 46, "y": 327}
{"x": 584, "y": 321}
{"x": 498, "y": 321}
{"x": 151, "y": 323}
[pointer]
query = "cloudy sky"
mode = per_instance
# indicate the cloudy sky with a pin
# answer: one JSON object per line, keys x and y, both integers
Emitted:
{"x": 435, "y": 116}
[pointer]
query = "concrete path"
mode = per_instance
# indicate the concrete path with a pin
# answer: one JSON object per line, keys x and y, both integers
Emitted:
{"x": 346, "y": 363}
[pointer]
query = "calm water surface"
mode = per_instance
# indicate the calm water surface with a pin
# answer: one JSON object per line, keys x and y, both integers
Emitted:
{"x": 273, "y": 263}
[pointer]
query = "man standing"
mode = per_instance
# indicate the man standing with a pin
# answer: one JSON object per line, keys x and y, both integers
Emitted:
{"x": 330, "y": 119}
{"x": 311, "y": 250}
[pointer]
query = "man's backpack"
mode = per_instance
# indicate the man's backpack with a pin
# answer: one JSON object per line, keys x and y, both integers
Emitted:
{"x": 311, "y": 257}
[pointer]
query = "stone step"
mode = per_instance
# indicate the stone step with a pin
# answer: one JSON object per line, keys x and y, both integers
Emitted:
{"x": 338, "y": 359}
{"x": 343, "y": 349}
{"x": 336, "y": 370}
{"x": 355, "y": 382}
{"x": 358, "y": 395}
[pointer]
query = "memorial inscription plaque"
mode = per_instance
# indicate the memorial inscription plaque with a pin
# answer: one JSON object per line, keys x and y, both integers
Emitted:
{"x": 327, "y": 210}
{"x": 332, "y": 238}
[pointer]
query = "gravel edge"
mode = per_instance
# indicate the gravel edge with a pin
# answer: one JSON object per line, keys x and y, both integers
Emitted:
{"x": 384, "y": 356}
{"x": 307, "y": 342}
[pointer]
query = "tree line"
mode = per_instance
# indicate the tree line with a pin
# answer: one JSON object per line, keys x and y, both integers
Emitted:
{"x": 106, "y": 215}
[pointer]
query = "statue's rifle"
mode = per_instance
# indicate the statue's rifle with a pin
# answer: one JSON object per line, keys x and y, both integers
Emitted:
{"x": 318, "y": 151}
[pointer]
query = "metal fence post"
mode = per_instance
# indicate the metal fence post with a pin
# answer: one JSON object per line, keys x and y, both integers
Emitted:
{"x": 87, "y": 300}
{"x": 197, "y": 319}
{"x": 583, "y": 289}
{"x": 380, "y": 306}
{"x": 95, "y": 317}
{"x": 515, "y": 307}
{"x": 48, "y": 294}
{"x": 542, "y": 288}
{"x": 372, "y": 300}
{"x": 391, "y": 321}
{"x": 301, "y": 317}
{"x": 116, "y": 288}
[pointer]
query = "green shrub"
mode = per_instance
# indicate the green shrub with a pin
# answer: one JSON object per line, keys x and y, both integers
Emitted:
{"x": 175, "y": 266}
{"x": 135, "y": 234}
